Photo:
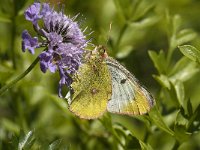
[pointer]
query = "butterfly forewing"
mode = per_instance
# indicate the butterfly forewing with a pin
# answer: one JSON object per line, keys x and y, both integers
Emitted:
{"x": 91, "y": 90}
{"x": 128, "y": 96}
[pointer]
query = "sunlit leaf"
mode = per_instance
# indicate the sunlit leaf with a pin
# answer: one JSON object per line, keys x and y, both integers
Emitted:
{"x": 180, "y": 91}
{"x": 190, "y": 52}
{"x": 55, "y": 145}
{"x": 26, "y": 140}
{"x": 163, "y": 80}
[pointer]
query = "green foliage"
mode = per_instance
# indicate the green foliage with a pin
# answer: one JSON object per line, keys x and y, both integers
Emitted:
{"x": 33, "y": 117}
{"x": 190, "y": 52}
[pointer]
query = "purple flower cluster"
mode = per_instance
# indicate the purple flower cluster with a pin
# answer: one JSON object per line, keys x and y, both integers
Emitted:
{"x": 62, "y": 38}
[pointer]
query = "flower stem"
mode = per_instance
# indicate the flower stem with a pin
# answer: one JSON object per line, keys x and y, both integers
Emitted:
{"x": 9, "y": 85}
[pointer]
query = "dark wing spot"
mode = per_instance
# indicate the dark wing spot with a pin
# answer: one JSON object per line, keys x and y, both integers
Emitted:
{"x": 123, "y": 81}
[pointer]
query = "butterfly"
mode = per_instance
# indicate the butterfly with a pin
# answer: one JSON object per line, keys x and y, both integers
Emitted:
{"x": 103, "y": 84}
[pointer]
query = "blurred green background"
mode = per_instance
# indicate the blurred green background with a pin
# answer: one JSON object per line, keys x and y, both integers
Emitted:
{"x": 144, "y": 37}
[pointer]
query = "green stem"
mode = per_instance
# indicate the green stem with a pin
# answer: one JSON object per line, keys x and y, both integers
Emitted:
{"x": 9, "y": 85}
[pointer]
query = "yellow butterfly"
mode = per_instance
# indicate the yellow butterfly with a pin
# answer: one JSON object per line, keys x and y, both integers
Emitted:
{"x": 103, "y": 84}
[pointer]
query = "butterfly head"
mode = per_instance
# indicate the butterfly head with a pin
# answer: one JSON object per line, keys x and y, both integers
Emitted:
{"x": 102, "y": 51}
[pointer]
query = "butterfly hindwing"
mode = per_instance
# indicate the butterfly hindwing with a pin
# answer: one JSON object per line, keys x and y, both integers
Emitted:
{"x": 91, "y": 90}
{"x": 128, "y": 96}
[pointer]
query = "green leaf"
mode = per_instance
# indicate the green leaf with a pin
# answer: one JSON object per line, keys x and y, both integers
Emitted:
{"x": 124, "y": 51}
{"x": 26, "y": 141}
{"x": 10, "y": 125}
{"x": 176, "y": 21}
{"x": 4, "y": 19}
{"x": 180, "y": 118}
{"x": 144, "y": 22}
{"x": 55, "y": 145}
{"x": 180, "y": 91}
{"x": 158, "y": 60}
{"x": 179, "y": 66}
{"x": 181, "y": 134}
{"x": 194, "y": 120}
{"x": 189, "y": 108}
{"x": 120, "y": 10}
{"x": 156, "y": 117}
{"x": 185, "y": 35}
{"x": 126, "y": 136}
{"x": 186, "y": 73}
{"x": 163, "y": 80}
{"x": 143, "y": 7}
{"x": 190, "y": 52}
{"x": 145, "y": 146}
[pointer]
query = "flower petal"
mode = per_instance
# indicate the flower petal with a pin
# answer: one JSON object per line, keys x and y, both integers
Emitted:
{"x": 28, "y": 42}
{"x": 33, "y": 13}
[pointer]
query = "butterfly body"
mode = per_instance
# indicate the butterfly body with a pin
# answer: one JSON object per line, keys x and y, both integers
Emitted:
{"x": 103, "y": 84}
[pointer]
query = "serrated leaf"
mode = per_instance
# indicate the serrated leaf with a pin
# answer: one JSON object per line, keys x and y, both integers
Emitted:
{"x": 190, "y": 52}
{"x": 156, "y": 117}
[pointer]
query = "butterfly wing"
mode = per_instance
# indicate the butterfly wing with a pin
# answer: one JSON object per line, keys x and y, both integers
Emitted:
{"x": 91, "y": 90}
{"x": 128, "y": 96}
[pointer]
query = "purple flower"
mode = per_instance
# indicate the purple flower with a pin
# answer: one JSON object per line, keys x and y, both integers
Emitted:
{"x": 33, "y": 13}
{"x": 28, "y": 42}
{"x": 62, "y": 38}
